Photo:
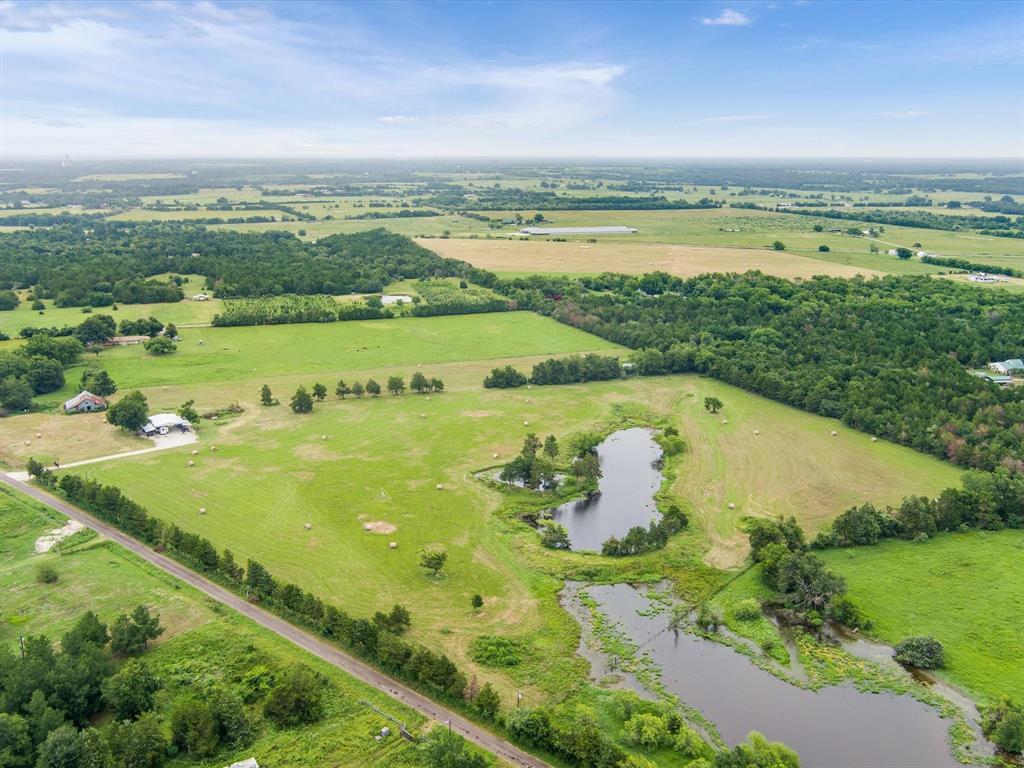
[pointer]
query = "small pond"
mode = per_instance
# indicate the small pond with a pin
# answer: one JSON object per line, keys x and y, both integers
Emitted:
{"x": 836, "y": 727}
{"x": 629, "y": 462}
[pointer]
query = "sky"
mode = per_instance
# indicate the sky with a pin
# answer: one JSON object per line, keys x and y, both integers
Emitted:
{"x": 780, "y": 78}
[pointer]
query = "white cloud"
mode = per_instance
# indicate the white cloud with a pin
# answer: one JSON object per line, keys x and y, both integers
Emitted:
{"x": 734, "y": 118}
{"x": 398, "y": 119}
{"x": 907, "y": 114}
{"x": 728, "y": 18}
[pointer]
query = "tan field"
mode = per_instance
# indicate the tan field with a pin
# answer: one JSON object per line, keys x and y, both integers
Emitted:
{"x": 633, "y": 258}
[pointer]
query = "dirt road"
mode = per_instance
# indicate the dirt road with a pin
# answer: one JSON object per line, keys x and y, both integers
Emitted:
{"x": 353, "y": 666}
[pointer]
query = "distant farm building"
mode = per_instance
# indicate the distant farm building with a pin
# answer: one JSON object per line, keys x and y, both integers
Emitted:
{"x": 201, "y": 297}
{"x": 577, "y": 231}
{"x": 249, "y": 762}
{"x": 1007, "y": 366}
{"x": 84, "y": 402}
{"x": 163, "y": 423}
{"x": 982, "y": 277}
{"x": 127, "y": 341}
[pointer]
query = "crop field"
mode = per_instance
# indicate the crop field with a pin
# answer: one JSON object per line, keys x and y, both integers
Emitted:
{"x": 964, "y": 589}
{"x": 199, "y": 641}
{"x": 151, "y": 214}
{"x": 535, "y": 256}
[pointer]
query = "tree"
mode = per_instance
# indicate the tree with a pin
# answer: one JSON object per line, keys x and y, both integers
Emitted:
{"x": 778, "y": 245}
{"x": 63, "y": 748}
{"x": 757, "y": 752}
{"x": 806, "y": 581}
{"x": 188, "y": 413}
{"x": 296, "y": 698}
{"x": 342, "y": 389}
{"x": 531, "y": 444}
{"x": 98, "y": 382}
{"x": 477, "y": 602}
{"x": 713, "y": 404}
{"x": 41, "y": 717}
{"x": 647, "y": 730}
{"x": 904, "y": 253}
{"x": 396, "y": 385}
{"x": 488, "y": 702}
{"x": 437, "y": 385}
{"x": 372, "y": 387}
{"x": 433, "y": 559}
{"x": 132, "y": 690}
{"x": 531, "y": 727}
{"x": 266, "y": 397}
{"x": 171, "y": 331}
{"x": 130, "y": 412}
{"x": 130, "y": 635}
{"x": 96, "y": 329}
{"x": 357, "y": 389}
{"x": 15, "y": 742}
{"x": 920, "y": 652}
{"x": 555, "y": 536}
{"x": 550, "y": 446}
{"x": 44, "y": 375}
{"x": 504, "y": 378}
{"x": 1003, "y": 723}
{"x": 87, "y": 630}
{"x": 228, "y": 709}
{"x": 319, "y": 391}
{"x": 301, "y": 401}
{"x": 160, "y": 345}
{"x": 140, "y": 744}
{"x": 587, "y": 468}
{"x": 419, "y": 383}
{"x": 193, "y": 729}
{"x": 824, "y": 248}
{"x": 15, "y": 394}
{"x": 442, "y": 749}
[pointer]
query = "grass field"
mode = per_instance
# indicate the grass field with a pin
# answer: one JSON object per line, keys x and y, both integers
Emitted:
{"x": 534, "y": 256}
{"x": 181, "y": 313}
{"x": 965, "y": 589}
{"x": 272, "y": 472}
{"x": 201, "y": 641}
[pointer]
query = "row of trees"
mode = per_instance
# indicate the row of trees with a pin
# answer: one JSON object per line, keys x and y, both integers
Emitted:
{"x": 302, "y": 400}
{"x": 987, "y": 500}
{"x": 655, "y": 536}
{"x": 574, "y": 369}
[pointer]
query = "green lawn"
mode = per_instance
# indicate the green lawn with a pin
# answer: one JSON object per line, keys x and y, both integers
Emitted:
{"x": 965, "y": 589}
{"x": 201, "y": 641}
{"x": 179, "y": 313}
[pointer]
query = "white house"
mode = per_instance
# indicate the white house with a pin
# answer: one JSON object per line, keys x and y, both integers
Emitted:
{"x": 162, "y": 423}
{"x": 1007, "y": 366}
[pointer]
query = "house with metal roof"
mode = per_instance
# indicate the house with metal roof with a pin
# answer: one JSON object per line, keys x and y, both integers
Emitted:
{"x": 85, "y": 402}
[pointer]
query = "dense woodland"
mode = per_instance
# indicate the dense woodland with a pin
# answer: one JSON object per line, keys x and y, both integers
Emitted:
{"x": 887, "y": 356}
{"x": 105, "y": 262}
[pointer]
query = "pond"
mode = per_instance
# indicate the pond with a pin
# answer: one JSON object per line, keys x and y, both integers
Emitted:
{"x": 835, "y": 727}
{"x": 629, "y": 462}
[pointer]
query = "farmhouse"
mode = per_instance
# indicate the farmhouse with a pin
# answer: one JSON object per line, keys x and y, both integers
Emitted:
{"x": 577, "y": 230}
{"x": 163, "y": 423}
{"x": 127, "y": 341}
{"x": 1007, "y": 366}
{"x": 84, "y": 402}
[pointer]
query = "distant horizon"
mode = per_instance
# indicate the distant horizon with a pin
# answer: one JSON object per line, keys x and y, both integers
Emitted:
{"x": 740, "y": 79}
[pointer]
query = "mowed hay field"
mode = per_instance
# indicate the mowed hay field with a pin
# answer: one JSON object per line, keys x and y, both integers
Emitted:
{"x": 200, "y": 643}
{"x": 533, "y": 256}
{"x": 272, "y": 472}
{"x": 964, "y": 589}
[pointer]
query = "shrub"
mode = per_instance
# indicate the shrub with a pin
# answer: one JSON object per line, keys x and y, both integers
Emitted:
{"x": 531, "y": 727}
{"x": 297, "y": 698}
{"x": 646, "y": 730}
{"x": 747, "y": 609}
{"x": 497, "y": 651}
{"x": 46, "y": 574}
{"x": 920, "y": 652}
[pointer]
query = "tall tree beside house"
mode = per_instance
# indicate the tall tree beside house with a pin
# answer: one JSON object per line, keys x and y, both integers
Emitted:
{"x": 98, "y": 382}
{"x": 130, "y": 412}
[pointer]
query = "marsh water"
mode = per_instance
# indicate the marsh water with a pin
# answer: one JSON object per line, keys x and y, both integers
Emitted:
{"x": 630, "y": 477}
{"x": 836, "y": 727}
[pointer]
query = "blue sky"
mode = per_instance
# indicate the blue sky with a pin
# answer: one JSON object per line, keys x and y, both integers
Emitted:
{"x": 403, "y": 79}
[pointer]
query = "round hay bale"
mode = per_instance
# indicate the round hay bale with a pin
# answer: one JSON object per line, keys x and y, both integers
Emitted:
{"x": 527, "y": 399}
{"x": 191, "y": 463}
{"x": 529, "y": 386}
{"x": 725, "y": 421}
{"x": 757, "y": 431}
{"x": 308, "y": 526}
{"x": 39, "y": 434}
{"x": 428, "y": 397}
{"x": 732, "y": 505}
{"x": 419, "y": 365}
{"x": 323, "y": 437}
{"x": 28, "y": 442}
{"x": 393, "y": 545}
{"x": 439, "y": 487}
{"x": 423, "y": 415}
{"x": 366, "y": 526}
{"x": 526, "y": 423}
{"x": 202, "y": 510}
{"x": 195, "y": 452}
{"x": 213, "y": 447}
{"x": 214, "y": 417}
{"x": 494, "y": 455}
{"x": 874, "y": 439}
{"x": 834, "y": 433}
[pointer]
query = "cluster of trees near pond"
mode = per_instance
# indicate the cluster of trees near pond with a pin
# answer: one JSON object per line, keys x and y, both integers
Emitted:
{"x": 888, "y": 356}
{"x": 90, "y": 263}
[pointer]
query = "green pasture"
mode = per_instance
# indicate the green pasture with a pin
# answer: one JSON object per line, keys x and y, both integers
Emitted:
{"x": 201, "y": 641}
{"x": 964, "y": 589}
{"x": 180, "y": 313}
{"x": 259, "y": 352}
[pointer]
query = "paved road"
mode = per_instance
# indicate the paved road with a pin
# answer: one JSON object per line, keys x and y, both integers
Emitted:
{"x": 314, "y": 645}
